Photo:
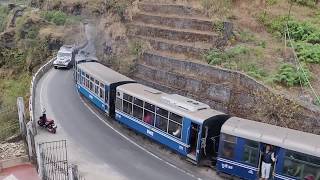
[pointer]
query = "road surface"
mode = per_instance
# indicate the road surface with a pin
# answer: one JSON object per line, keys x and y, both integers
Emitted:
{"x": 96, "y": 147}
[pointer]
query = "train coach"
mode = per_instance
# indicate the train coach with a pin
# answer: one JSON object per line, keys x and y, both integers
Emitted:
{"x": 98, "y": 84}
{"x": 196, "y": 131}
{"x": 189, "y": 127}
{"x": 297, "y": 153}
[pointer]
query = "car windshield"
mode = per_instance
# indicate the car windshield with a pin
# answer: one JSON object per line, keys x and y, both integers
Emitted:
{"x": 62, "y": 54}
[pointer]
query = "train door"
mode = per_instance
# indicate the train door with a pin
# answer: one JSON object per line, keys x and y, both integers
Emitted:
{"x": 266, "y": 169}
{"x": 193, "y": 141}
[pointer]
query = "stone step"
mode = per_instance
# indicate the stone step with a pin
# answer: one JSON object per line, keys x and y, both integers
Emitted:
{"x": 174, "y": 21}
{"x": 178, "y": 49}
{"x": 184, "y": 84}
{"x": 175, "y": 9}
{"x": 158, "y": 31}
{"x": 194, "y": 68}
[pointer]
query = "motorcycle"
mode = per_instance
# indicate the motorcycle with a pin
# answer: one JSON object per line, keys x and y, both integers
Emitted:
{"x": 47, "y": 123}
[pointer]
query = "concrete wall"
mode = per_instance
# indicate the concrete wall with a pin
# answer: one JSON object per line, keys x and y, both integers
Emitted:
{"x": 228, "y": 91}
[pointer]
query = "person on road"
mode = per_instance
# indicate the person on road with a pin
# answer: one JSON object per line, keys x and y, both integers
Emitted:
{"x": 44, "y": 115}
{"x": 267, "y": 160}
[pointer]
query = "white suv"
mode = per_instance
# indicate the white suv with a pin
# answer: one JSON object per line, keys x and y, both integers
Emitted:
{"x": 65, "y": 57}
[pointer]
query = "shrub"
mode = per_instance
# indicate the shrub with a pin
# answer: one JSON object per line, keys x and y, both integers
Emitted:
{"x": 289, "y": 75}
{"x": 310, "y": 3}
{"x": 300, "y": 30}
{"x": 57, "y": 17}
{"x": 313, "y": 38}
{"x": 254, "y": 71}
{"x": 307, "y": 52}
{"x": 237, "y": 50}
{"x": 215, "y": 57}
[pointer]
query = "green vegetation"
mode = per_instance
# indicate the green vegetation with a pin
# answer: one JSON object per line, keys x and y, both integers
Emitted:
{"x": 307, "y": 52}
{"x": 310, "y": 3}
{"x": 305, "y": 37}
{"x": 16, "y": 66}
{"x": 290, "y": 76}
{"x": 3, "y": 17}
{"x": 237, "y": 58}
{"x": 56, "y": 17}
{"x": 12, "y": 88}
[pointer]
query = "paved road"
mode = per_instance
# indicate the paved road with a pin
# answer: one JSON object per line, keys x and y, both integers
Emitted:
{"x": 57, "y": 89}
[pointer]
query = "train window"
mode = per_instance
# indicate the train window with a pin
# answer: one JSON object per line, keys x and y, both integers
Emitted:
{"x": 119, "y": 104}
{"x": 78, "y": 77}
{"x": 301, "y": 165}
{"x": 149, "y": 106}
{"x": 138, "y": 102}
{"x": 229, "y": 143}
{"x": 174, "y": 129}
{"x": 96, "y": 89}
{"x": 175, "y": 117}
{"x": 148, "y": 117}
{"x": 162, "y": 112}
{"x": 101, "y": 85}
{"x": 87, "y": 83}
{"x": 161, "y": 123}
{"x": 91, "y": 86}
{"x": 127, "y": 107}
{"x": 137, "y": 112}
{"x": 101, "y": 93}
{"x": 250, "y": 153}
{"x": 82, "y": 80}
{"x": 127, "y": 97}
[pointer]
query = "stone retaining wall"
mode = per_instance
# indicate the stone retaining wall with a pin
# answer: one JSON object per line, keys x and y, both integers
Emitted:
{"x": 230, "y": 91}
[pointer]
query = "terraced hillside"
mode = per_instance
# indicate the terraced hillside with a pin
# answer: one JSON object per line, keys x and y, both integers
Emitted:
{"x": 179, "y": 37}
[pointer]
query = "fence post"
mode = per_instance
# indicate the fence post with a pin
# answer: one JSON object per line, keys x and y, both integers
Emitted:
{"x": 39, "y": 161}
{"x": 21, "y": 114}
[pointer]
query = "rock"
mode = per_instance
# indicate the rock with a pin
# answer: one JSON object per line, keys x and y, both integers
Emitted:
{"x": 12, "y": 150}
{"x": 7, "y": 39}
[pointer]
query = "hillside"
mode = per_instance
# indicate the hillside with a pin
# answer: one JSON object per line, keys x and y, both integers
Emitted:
{"x": 262, "y": 48}
{"x": 247, "y": 36}
{"x": 28, "y": 37}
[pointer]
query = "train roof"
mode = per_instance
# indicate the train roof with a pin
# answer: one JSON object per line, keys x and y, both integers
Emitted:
{"x": 103, "y": 73}
{"x": 175, "y": 103}
{"x": 283, "y": 137}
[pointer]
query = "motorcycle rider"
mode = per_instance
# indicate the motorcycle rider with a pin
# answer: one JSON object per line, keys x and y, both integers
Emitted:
{"x": 44, "y": 115}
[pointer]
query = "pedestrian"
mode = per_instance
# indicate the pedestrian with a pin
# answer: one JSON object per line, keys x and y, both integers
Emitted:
{"x": 267, "y": 160}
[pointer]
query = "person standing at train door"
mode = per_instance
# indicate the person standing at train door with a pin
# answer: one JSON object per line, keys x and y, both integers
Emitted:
{"x": 267, "y": 160}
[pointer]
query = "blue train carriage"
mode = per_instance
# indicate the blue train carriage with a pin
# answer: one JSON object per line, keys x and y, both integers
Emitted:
{"x": 98, "y": 84}
{"x": 187, "y": 126}
{"x": 297, "y": 153}
{"x": 81, "y": 58}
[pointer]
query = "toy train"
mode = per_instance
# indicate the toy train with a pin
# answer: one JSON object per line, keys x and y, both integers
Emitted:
{"x": 197, "y": 132}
